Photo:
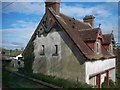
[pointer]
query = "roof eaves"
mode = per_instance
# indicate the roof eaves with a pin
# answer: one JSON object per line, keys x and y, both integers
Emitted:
{"x": 61, "y": 14}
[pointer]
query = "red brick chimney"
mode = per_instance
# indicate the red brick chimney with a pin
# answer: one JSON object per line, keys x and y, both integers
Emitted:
{"x": 89, "y": 19}
{"x": 55, "y": 4}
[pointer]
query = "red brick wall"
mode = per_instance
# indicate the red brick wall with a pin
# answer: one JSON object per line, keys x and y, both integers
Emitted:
{"x": 106, "y": 47}
{"x": 91, "y": 45}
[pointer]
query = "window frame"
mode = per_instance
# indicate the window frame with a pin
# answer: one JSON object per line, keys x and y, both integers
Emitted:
{"x": 56, "y": 50}
{"x": 111, "y": 48}
{"x": 97, "y": 47}
{"x": 43, "y": 50}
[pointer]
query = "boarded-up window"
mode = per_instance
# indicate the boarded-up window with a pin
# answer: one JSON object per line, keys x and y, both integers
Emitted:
{"x": 56, "y": 51}
{"x": 97, "y": 47}
{"x": 39, "y": 34}
{"x": 42, "y": 50}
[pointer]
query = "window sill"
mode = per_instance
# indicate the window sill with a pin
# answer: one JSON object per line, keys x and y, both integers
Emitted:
{"x": 55, "y": 54}
{"x": 42, "y": 54}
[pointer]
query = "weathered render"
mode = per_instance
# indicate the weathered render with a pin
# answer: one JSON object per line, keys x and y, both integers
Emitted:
{"x": 57, "y": 65}
{"x": 67, "y": 48}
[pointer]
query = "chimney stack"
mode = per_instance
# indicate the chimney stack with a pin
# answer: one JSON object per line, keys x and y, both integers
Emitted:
{"x": 55, "y": 4}
{"x": 89, "y": 19}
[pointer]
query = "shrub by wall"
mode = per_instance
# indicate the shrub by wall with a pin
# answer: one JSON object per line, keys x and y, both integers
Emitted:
{"x": 111, "y": 84}
{"x": 60, "y": 82}
{"x": 28, "y": 59}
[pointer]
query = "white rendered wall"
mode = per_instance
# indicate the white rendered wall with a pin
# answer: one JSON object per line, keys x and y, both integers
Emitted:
{"x": 93, "y": 67}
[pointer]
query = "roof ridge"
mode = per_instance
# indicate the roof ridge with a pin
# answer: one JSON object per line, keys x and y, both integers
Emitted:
{"x": 107, "y": 34}
{"x": 90, "y": 29}
{"x": 75, "y": 19}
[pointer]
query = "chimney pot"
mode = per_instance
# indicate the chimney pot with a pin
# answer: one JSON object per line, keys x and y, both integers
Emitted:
{"x": 99, "y": 25}
{"x": 55, "y": 4}
{"x": 89, "y": 19}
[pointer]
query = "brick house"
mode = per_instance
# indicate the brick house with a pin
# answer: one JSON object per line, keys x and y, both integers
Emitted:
{"x": 68, "y": 48}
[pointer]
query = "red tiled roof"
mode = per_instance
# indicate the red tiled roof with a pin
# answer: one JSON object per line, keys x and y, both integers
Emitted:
{"x": 75, "y": 35}
{"x": 79, "y": 33}
{"x": 108, "y": 38}
{"x": 89, "y": 35}
{"x": 74, "y": 24}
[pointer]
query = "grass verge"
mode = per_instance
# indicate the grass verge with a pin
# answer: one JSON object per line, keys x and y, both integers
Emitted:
{"x": 60, "y": 82}
{"x": 12, "y": 81}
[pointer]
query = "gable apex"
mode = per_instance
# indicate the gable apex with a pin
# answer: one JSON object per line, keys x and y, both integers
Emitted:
{"x": 55, "y": 4}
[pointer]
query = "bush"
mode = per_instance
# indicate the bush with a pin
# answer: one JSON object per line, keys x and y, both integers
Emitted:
{"x": 28, "y": 59}
{"x": 111, "y": 84}
{"x": 5, "y": 79}
{"x": 60, "y": 82}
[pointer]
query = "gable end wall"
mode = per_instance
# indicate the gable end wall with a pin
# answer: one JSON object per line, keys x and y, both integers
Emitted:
{"x": 65, "y": 65}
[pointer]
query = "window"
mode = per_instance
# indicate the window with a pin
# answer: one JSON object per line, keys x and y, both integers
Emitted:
{"x": 39, "y": 35}
{"x": 42, "y": 50}
{"x": 56, "y": 51}
{"x": 73, "y": 26}
{"x": 111, "y": 48}
{"x": 97, "y": 47}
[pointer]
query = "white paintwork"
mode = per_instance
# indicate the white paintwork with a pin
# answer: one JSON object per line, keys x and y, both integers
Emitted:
{"x": 112, "y": 76}
{"x": 49, "y": 43}
{"x": 93, "y": 67}
{"x": 102, "y": 77}
{"x": 20, "y": 55}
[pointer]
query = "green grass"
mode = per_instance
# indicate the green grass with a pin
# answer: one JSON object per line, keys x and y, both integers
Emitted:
{"x": 13, "y": 81}
{"x": 60, "y": 82}
{"x": 17, "y": 82}
{"x": 10, "y": 52}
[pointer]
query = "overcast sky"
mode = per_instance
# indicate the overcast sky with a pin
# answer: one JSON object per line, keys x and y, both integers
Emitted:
{"x": 20, "y": 19}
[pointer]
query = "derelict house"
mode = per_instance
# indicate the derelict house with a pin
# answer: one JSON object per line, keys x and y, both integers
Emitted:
{"x": 68, "y": 48}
